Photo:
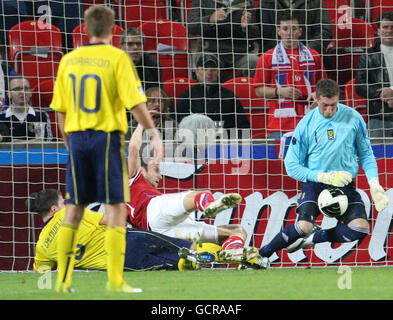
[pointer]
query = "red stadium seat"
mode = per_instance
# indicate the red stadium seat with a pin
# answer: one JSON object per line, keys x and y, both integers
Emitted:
{"x": 164, "y": 32}
{"x": 135, "y": 12}
{"x": 255, "y": 106}
{"x": 351, "y": 38}
{"x": 35, "y": 50}
{"x": 353, "y": 100}
{"x": 42, "y": 94}
{"x": 337, "y": 8}
{"x": 168, "y": 40}
{"x": 377, "y": 7}
{"x": 88, "y": 3}
{"x": 175, "y": 87}
{"x": 80, "y": 37}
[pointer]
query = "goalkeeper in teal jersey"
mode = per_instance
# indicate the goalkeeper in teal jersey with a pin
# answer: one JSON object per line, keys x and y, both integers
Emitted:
{"x": 324, "y": 153}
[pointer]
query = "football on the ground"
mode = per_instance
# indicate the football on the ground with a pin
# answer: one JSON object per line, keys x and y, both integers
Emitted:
{"x": 332, "y": 202}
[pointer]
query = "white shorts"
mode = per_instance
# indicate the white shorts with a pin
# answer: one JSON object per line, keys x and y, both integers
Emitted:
{"x": 166, "y": 214}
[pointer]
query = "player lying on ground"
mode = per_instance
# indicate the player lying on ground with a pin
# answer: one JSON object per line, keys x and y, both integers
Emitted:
{"x": 145, "y": 250}
{"x": 169, "y": 214}
{"x": 324, "y": 152}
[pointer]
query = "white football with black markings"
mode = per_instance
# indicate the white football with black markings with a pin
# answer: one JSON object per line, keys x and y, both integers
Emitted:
{"x": 332, "y": 202}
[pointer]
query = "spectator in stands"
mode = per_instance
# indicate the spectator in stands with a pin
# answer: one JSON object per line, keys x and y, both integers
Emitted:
{"x": 318, "y": 31}
{"x": 22, "y": 121}
{"x": 287, "y": 75}
{"x": 147, "y": 65}
{"x": 226, "y": 28}
{"x": 374, "y": 79}
{"x": 208, "y": 97}
{"x": 158, "y": 103}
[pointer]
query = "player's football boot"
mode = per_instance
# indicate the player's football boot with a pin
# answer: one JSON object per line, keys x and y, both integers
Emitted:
{"x": 184, "y": 265}
{"x": 61, "y": 287}
{"x": 237, "y": 255}
{"x": 123, "y": 288}
{"x": 201, "y": 257}
{"x": 227, "y": 201}
{"x": 304, "y": 242}
{"x": 257, "y": 263}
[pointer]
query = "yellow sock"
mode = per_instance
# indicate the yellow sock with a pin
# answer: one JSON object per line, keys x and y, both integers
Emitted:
{"x": 66, "y": 245}
{"x": 115, "y": 246}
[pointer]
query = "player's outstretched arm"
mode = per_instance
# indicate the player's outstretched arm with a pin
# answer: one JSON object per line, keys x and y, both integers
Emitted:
{"x": 142, "y": 115}
{"x": 134, "y": 161}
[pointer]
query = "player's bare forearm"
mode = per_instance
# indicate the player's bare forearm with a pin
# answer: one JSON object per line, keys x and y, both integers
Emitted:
{"x": 61, "y": 120}
{"x": 134, "y": 162}
{"x": 142, "y": 116}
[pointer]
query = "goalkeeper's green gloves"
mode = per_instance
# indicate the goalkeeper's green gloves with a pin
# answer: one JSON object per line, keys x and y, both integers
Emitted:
{"x": 335, "y": 178}
{"x": 378, "y": 194}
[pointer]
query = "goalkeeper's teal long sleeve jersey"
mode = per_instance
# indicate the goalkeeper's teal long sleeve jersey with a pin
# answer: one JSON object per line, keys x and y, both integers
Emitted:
{"x": 322, "y": 144}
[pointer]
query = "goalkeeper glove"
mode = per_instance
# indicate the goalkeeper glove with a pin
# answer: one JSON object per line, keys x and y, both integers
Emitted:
{"x": 378, "y": 194}
{"x": 335, "y": 178}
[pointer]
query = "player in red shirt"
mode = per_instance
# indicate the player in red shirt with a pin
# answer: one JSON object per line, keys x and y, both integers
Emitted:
{"x": 286, "y": 76}
{"x": 169, "y": 214}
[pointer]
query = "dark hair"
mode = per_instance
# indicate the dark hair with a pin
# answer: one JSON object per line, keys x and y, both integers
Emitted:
{"x": 327, "y": 88}
{"x": 42, "y": 201}
{"x": 288, "y": 15}
{"x": 16, "y": 77}
{"x": 387, "y": 15}
{"x": 132, "y": 32}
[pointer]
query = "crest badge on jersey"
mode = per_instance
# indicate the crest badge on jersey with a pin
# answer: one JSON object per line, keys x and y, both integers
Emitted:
{"x": 330, "y": 134}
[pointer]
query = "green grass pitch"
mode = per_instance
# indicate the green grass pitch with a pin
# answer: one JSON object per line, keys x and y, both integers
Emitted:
{"x": 274, "y": 283}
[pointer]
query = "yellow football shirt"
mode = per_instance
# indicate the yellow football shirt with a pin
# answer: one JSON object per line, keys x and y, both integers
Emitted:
{"x": 90, "y": 252}
{"x": 94, "y": 85}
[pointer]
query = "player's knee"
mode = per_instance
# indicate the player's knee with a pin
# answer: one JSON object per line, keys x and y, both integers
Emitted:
{"x": 229, "y": 230}
{"x": 359, "y": 223}
{"x": 74, "y": 214}
{"x": 305, "y": 226}
{"x": 240, "y": 231}
{"x": 359, "y": 229}
{"x": 356, "y": 233}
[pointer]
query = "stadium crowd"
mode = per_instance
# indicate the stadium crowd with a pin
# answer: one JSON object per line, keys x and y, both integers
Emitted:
{"x": 241, "y": 35}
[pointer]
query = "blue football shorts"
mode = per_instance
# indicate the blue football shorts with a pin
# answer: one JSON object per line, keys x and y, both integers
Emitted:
{"x": 97, "y": 168}
{"x": 308, "y": 210}
{"x": 148, "y": 250}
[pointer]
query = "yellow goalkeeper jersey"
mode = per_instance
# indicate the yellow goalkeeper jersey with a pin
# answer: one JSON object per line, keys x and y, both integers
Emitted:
{"x": 94, "y": 85}
{"x": 90, "y": 252}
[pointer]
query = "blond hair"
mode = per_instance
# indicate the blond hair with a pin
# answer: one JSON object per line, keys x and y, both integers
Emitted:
{"x": 99, "y": 21}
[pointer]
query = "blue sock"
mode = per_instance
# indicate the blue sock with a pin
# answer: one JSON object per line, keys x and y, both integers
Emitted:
{"x": 340, "y": 233}
{"x": 282, "y": 240}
